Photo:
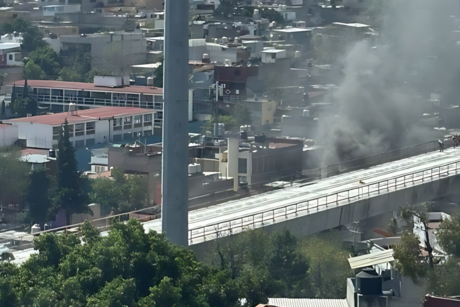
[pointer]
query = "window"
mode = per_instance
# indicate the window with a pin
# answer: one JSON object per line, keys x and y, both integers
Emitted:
{"x": 242, "y": 166}
{"x": 79, "y": 129}
{"x": 138, "y": 119}
{"x": 273, "y": 56}
{"x": 243, "y": 179}
{"x": 10, "y": 57}
{"x": 56, "y": 132}
{"x": 90, "y": 128}
{"x": 148, "y": 118}
{"x": 158, "y": 98}
{"x": 127, "y": 121}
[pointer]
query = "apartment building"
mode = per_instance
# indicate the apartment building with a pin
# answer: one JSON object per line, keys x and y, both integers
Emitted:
{"x": 58, "y": 95}
{"x": 87, "y": 127}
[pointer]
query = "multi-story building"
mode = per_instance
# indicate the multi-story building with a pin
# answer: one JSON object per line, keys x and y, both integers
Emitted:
{"x": 57, "y": 95}
{"x": 87, "y": 127}
{"x": 112, "y": 51}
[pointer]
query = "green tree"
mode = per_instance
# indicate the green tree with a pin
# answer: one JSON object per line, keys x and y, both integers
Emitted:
{"x": 3, "y": 78}
{"x": 242, "y": 114}
{"x": 47, "y": 59}
{"x": 123, "y": 193}
{"x": 448, "y": 235}
{"x": 13, "y": 174}
{"x": 39, "y": 195}
{"x": 263, "y": 265}
{"x": 329, "y": 267}
{"x": 3, "y": 108}
{"x": 158, "y": 74}
{"x": 129, "y": 267}
{"x": 32, "y": 36}
{"x": 32, "y": 71}
{"x": 69, "y": 74}
{"x": 72, "y": 186}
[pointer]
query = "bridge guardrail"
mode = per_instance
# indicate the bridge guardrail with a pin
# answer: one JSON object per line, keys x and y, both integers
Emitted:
{"x": 385, "y": 157}
{"x": 251, "y": 221}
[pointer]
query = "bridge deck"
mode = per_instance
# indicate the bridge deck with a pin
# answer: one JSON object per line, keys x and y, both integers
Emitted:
{"x": 300, "y": 199}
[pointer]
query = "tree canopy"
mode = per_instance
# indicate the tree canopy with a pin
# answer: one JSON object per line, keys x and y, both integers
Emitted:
{"x": 32, "y": 36}
{"x": 438, "y": 271}
{"x": 130, "y": 267}
{"x": 122, "y": 194}
{"x": 13, "y": 174}
{"x": 72, "y": 187}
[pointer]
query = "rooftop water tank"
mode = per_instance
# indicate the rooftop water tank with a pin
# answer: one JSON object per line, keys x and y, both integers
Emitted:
{"x": 191, "y": 169}
{"x": 306, "y": 113}
{"x": 369, "y": 282}
{"x": 224, "y": 40}
{"x": 35, "y": 228}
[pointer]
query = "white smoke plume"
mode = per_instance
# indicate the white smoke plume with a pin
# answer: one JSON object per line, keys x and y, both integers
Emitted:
{"x": 388, "y": 81}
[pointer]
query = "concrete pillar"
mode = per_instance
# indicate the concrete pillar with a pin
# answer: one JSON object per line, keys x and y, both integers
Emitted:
{"x": 233, "y": 152}
{"x": 175, "y": 118}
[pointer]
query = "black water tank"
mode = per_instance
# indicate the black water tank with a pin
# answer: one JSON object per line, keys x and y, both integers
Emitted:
{"x": 244, "y": 135}
{"x": 368, "y": 282}
{"x": 261, "y": 138}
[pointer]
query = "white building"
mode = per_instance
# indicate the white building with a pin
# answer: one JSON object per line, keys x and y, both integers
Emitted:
{"x": 8, "y": 134}
{"x": 87, "y": 127}
{"x": 271, "y": 55}
{"x": 57, "y": 96}
{"x": 10, "y": 54}
{"x": 52, "y": 10}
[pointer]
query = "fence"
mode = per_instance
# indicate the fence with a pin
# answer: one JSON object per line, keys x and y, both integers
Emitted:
{"x": 336, "y": 199}
{"x": 394, "y": 155}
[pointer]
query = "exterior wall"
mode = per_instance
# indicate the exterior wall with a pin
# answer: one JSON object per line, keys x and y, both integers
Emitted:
{"x": 14, "y": 59}
{"x": 36, "y": 135}
{"x": 66, "y": 30}
{"x": 52, "y": 10}
{"x": 268, "y": 110}
{"x": 129, "y": 49}
{"x": 10, "y": 15}
{"x": 8, "y": 135}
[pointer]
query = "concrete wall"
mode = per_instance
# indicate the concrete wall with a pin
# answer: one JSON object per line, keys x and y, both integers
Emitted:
{"x": 37, "y": 135}
{"x": 326, "y": 219}
{"x": 8, "y": 134}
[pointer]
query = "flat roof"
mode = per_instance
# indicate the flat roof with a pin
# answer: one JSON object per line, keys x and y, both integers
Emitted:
{"x": 371, "y": 259}
{"x": 354, "y": 25}
{"x": 293, "y": 30}
{"x": 82, "y": 115}
{"x": 273, "y": 50}
{"x": 90, "y": 87}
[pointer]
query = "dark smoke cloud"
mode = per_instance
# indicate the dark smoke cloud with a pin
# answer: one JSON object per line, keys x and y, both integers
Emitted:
{"x": 388, "y": 81}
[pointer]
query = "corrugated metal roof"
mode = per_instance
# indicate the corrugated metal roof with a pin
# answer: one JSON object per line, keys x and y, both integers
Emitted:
{"x": 371, "y": 259}
{"x": 306, "y": 302}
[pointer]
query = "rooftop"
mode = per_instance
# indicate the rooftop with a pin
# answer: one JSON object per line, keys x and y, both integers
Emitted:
{"x": 353, "y": 25}
{"x": 83, "y": 115}
{"x": 89, "y": 87}
{"x": 293, "y": 30}
{"x": 306, "y": 302}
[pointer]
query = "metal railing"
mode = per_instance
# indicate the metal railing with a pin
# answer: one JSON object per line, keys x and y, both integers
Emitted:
{"x": 390, "y": 156}
{"x": 335, "y": 199}
{"x": 94, "y": 101}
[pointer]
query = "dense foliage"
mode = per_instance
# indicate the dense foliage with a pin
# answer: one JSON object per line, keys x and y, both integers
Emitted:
{"x": 122, "y": 194}
{"x": 32, "y": 37}
{"x": 435, "y": 266}
{"x": 13, "y": 174}
{"x": 132, "y": 268}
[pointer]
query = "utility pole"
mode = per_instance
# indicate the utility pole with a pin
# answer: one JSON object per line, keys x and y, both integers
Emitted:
{"x": 174, "y": 189}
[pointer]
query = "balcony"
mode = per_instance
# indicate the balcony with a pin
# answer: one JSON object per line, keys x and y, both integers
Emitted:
{"x": 92, "y": 101}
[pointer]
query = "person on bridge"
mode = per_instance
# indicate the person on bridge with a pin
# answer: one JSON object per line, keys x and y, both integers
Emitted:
{"x": 441, "y": 146}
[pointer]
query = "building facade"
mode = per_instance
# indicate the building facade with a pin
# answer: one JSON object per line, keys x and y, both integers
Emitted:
{"x": 86, "y": 127}
{"x": 58, "y": 95}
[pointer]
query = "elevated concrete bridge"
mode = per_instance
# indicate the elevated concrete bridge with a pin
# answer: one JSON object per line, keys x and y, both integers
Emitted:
{"x": 331, "y": 202}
